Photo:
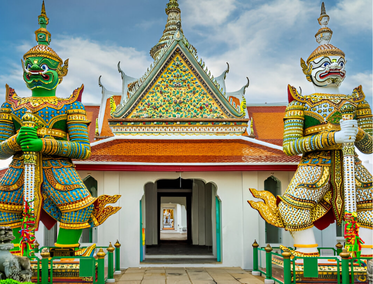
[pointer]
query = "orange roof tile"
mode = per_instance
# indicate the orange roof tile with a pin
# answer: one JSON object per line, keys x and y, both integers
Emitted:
{"x": 268, "y": 123}
{"x": 92, "y": 114}
{"x": 106, "y": 131}
{"x": 187, "y": 151}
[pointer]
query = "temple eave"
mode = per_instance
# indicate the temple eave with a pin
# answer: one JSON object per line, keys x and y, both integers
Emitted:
{"x": 180, "y": 119}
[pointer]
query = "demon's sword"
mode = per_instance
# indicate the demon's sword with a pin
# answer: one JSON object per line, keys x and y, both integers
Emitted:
{"x": 30, "y": 160}
{"x": 353, "y": 241}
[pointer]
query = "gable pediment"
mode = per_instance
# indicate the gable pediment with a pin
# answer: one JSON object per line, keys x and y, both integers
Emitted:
{"x": 178, "y": 92}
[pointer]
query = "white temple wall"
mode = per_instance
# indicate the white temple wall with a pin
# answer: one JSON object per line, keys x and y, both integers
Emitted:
{"x": 241, "y": 225}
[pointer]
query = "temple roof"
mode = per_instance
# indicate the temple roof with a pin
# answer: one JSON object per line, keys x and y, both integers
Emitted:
{"x": 177, "y": 94}
{"x": 269, "y": 132}
{"x": 188, "y": 151}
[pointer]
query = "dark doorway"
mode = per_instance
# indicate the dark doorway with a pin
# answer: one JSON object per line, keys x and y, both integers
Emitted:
{"x": 179, "y": 189}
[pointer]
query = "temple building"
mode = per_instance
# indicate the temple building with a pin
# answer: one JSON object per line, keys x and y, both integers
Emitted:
{"x": 183, "y": 151}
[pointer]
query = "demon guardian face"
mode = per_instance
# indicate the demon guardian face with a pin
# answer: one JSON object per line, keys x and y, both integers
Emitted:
{"x": 328, "y": 71}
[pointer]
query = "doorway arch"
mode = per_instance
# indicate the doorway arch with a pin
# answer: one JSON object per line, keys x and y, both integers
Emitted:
{"x": 89, "y": 234}
{"x": 200, "y": 203}
{"x": 272, "y": 233}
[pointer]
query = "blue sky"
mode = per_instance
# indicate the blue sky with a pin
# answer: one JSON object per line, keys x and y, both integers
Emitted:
{"x": 263, "y": 40}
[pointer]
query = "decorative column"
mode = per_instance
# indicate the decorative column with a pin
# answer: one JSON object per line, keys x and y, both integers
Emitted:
{"x": 255, "y": 271}
{"x": 110, "y": 269}
{"x": 268, "y": 250}
{"x": 117, "y": 257}
{"x": 101, "y": 267}
{"x": 36, "y": 246}
{"x": 44, "y": 266}
{"x": 345, "y": 255}
{"x": 287, "y": 268}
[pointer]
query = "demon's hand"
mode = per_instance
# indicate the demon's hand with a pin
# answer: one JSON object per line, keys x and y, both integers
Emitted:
{"x": 28, "y": 139}
{"x": 347, "y": 133}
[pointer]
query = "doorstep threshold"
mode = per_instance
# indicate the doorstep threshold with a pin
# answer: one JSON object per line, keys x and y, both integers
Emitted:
{"x": 173, "y": 256}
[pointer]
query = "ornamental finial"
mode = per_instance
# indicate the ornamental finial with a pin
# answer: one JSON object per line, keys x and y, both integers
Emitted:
{"x": 172, "y": 5}
{"x": 323, "y": 35}
{"x": 42, "y": 35}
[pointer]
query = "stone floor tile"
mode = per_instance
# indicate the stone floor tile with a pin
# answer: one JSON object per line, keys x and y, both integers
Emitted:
{"x": 235, "y": 272}
{"x": 176, "y": 271}
{"x": 203, "y": 282}
{"x": 178, "y": 281}
{"x": 181, "y": 277}
{"x": 203, "y": 276}
{"x": 132, "y": 276}
{"x": 153, "y": 281}
{"x": 128, "y": 282}
{"x": 251, "y": 281}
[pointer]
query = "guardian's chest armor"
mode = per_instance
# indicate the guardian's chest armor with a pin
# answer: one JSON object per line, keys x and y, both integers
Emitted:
{"x": 52, "y": 113}
{"x": 321, "y": 112}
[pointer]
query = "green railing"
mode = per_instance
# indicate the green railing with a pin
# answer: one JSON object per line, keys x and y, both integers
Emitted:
{"x": 87, "y": 264}
{"x": 345, "y": 267}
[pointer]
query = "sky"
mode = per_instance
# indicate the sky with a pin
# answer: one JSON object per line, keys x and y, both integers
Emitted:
{"x": 262, "y": 40}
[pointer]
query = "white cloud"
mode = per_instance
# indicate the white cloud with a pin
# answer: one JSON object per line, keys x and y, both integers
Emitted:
{"x": 263, "y": 42}
{"x": 266, "y": 42}
{"x": 87, "y": 61}
{"x": 352, "y": 15}
{"x": 206, "y": 12}
{"x": 253, "y": 39}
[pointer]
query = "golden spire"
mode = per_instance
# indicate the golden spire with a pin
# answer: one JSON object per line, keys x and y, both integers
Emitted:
{"x": 173, "y": 21}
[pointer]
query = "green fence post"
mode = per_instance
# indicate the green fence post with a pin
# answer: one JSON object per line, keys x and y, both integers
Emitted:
{"x": 36, "y": 246}
{"x": 101, "y": 267}
{"x": 44, "y": 266}
{"x": 345, "y": 266}
{"x": 255, "y": 271}
{"x": 268, "y": 250}
{"x": 110, "y": 261}
{"x": 287, "y": 270}
{"x": 339, "y": 247}
{"x": 117, "y": 257}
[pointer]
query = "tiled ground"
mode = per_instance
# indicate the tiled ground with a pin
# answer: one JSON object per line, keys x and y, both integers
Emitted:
{"x": 171, "y": 275}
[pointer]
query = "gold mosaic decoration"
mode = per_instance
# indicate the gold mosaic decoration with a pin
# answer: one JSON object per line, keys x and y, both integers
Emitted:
{"x": 177, "y": 94}
{"x": 267, "y": 209}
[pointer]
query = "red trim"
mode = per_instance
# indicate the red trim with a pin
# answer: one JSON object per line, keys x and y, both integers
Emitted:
{"x": 164, "y": 168}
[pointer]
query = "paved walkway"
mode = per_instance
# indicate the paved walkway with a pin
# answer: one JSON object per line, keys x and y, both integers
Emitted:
{"x": 175, "y": 275}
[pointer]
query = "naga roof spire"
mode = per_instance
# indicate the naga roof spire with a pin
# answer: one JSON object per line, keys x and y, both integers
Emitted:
{"x": 173, "y": 24}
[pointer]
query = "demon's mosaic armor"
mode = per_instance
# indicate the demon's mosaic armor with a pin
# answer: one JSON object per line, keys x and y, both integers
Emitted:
{"x": 325, "y": 127}
{"x": 57, "y": 134}
{"x": 66, "y": 199}
{"x": 317, "y": 186}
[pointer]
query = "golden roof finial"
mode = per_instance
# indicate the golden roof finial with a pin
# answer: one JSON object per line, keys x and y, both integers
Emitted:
{"x": 172, "y": 5}
{"x": 173, "y": 24}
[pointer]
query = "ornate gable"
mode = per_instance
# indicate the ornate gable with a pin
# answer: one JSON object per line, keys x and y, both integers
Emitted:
{"x": 180, "y": 92}
{"x": 178, "y": 100}
{"x": 177, "y": 95}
